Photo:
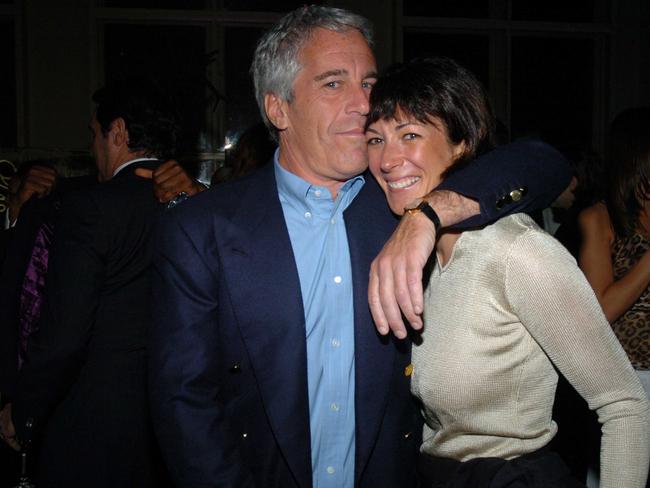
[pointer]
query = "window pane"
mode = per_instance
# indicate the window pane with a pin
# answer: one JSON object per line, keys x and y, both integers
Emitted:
{"x": 162, "y": 4}
{"x": 552, "y": 90}
{"x": 472, "y": 51}
{"x": 448, "y": 8}
{"x": 265, "y": 5}
{"x": 8, "y": 123}
{"x": 175, "y": 57}
{"x": 241, "y": 107}
{"x": 556, "y": 10}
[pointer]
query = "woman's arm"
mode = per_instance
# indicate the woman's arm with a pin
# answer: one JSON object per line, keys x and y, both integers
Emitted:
{"x": 551, "y": 297}
{"x": 614, "y": 296}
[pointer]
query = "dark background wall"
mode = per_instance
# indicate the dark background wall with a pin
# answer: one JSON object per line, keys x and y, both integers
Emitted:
{"x": 557, "y": 69}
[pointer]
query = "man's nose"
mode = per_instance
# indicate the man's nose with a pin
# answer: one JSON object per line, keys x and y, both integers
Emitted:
{"x": 359, "y": 100}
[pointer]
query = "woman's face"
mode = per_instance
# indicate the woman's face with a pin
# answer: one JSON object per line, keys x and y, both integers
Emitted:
{"x": 407, "y": 157}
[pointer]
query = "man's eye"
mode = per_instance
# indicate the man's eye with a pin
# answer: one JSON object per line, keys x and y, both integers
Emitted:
{"x": 333, "y": 84}
{"x": 367, "y": 84}
{"x": 373, "y": 141}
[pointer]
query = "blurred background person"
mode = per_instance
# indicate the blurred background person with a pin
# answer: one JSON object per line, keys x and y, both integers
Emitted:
{"x": 616, "y": 237}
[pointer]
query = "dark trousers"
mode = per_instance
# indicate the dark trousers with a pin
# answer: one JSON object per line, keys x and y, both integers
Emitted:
{"x": 539, "y": 469}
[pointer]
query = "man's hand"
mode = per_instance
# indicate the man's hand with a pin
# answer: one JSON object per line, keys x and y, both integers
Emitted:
{"x": 170, "y": 179}
{"x": 7, "y": 431}
{"x": 38, "y": 180}
{"x": 395, "y": 285}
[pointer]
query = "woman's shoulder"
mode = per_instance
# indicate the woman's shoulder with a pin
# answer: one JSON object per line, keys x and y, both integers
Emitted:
{"x": 595, "y": 221}
{"x": 595, "y": 215}
{"x": 522, "y": 240}
{"x": 513, "y": 226}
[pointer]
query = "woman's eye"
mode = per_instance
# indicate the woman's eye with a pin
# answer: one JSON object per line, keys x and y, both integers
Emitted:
{"x": 410, "y": 136}
{"x": 373, "y": 141}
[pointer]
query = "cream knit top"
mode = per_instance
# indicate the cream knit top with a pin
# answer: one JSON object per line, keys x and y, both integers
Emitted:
{"x": 509, "y": 304}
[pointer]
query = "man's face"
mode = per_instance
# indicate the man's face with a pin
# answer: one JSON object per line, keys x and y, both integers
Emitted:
{"x": 99, "y": 148}
{"x": 322, "y": 138}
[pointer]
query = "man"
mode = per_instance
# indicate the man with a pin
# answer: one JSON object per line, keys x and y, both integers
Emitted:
{"x": 266, "y": 369}
{"x": 83, "y": 385}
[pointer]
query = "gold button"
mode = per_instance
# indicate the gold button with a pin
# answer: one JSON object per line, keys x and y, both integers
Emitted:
{"x": 235, "y": 368}
{"x": 407, "y": 436}
{"x": 244, "y": 435}
{"x": 408, "y": 371}
{"x": 515, "y": 195}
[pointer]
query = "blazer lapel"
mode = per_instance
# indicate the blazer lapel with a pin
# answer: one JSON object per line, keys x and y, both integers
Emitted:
{"x": 268, "y": 307}
{"x": 368, "y": 223}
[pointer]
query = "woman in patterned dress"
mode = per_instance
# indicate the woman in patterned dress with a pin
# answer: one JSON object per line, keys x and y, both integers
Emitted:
{"x": 614, "y": 254}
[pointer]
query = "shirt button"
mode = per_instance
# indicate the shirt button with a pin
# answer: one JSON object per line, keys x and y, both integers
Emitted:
{"x": 334, "y": 407}
{"x": 330, "y": 470}
{"x": 308, "y": 215}
{"x": 317, "y": 193}
{"x": 337, "y": 279}
{"x": 336, "y": 343}
{"x": 332, "y": 221}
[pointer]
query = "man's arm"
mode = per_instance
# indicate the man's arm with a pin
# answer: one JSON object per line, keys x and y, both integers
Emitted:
{"x": 523, "y": 176}
{"x": 184, "y": 378}
{"x": 169, "y": 180}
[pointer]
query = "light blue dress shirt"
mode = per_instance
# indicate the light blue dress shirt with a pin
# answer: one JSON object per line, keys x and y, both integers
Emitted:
{"x": 320, "y": 247}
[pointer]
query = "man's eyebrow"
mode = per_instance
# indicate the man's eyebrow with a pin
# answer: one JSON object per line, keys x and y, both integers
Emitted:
{"x": 370, "y": 74}
{"x": 332, "y": 72}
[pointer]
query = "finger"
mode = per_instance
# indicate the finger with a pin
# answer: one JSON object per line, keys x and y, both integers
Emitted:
{"x": 144, "y": 173}
{"x": 39, "y": 187}
{"x": 387, "y": 299}
{"x": 403, "y": 297}
{"x": 166, "y": 196}
{"x": 42, "y": 173}
{"x": 163, "y": 174}
{"x": 375, "y": 303}
{"x": 416, "y": 293}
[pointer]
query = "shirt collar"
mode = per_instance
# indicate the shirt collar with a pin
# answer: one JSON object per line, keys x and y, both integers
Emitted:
{"x": 129, "y": 163}
{"x": 297, "y": 189}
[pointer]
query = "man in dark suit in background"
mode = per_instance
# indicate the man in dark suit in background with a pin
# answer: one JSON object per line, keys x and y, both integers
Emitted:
{"x": 266, "y": 368}
{"x": 83, "y": 385}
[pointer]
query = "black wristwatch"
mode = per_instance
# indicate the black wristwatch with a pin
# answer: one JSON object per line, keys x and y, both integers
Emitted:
{"x": 427, "y": 210}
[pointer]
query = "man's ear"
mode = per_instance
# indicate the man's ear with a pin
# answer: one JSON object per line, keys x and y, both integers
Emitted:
{"x": 275, "y": 108}
{"x": 118, "y": 134}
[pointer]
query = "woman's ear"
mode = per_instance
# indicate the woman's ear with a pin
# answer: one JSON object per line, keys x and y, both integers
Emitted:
{"x": 459, "y": 150}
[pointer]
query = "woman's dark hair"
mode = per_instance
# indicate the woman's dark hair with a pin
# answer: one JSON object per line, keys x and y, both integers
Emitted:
{"x": 148, "y": 115}
{"x": 437, "y": 88}
{"x": 628, "y": 169}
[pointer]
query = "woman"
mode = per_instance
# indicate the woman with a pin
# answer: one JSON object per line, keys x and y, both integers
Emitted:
{"x": 505, "y": 304}
{"x": 615, "y": 251}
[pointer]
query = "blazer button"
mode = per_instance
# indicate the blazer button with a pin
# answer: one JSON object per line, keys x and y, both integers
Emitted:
{"x": 235, "y": 368}
{"x": 244, "y": 435}
{"x": 501, "y": 202}
{"x": 407, "y": 436}
{"x": 408, "y": 371}
{"x": 515, "y": 195}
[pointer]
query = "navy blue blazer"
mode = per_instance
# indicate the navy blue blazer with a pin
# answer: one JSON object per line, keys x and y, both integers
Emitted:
{"x": 228, "y": 361}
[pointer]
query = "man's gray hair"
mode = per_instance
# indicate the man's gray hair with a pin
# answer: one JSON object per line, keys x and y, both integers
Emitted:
{"x": 275, "y": 63}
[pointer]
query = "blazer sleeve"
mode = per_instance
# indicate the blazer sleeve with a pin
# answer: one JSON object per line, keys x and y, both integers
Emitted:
{"x": 523, "y": 176}
{"x": 188, "y": 418}
{"x": 75, "y": 275}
